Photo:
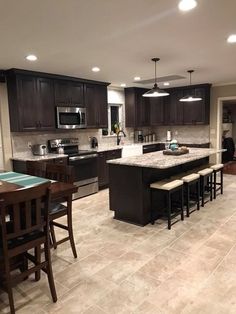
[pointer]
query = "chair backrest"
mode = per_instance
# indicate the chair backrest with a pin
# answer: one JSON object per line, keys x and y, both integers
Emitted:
{"x": 63, "y": 173}
{"x": 36, "y": 168}
{"x": 27, "y": 211}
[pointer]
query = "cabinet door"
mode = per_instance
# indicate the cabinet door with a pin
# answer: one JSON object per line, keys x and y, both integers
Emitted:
{"x": 102, "y": 169}
{"x": 157, "y": 111}
{"x": 62, "y": 93}
{"x": 101, "y": 98}
{"x": 76, "y": 93}
{"x": 45, "y": 107}
{"x": 27, "y": 98}
{"x": 91, "y": 105}
{"x": 194, "y": 112}
{"x": 174, "y": 108}
{"x": 142, "y": 108}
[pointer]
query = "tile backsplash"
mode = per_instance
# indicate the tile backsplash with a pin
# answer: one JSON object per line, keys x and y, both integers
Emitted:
{"x": 184, "y": 134}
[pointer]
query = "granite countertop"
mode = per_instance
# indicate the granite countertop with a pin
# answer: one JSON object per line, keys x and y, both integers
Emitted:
{"x": 29, "y": 156}
{"x": 103, "y": 148}
{"x": 160, "y": 161}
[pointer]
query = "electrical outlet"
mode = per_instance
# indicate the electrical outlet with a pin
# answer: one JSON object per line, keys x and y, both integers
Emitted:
{"x": 29, "y": 144}
{"x": 176, "y": 132}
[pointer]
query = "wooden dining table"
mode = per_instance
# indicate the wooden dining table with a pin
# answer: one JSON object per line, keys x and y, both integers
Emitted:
{"x": 13, "y": 181}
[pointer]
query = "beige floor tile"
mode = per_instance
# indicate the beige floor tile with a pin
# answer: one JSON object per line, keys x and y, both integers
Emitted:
{"x": 164, "y": 264}
{"x": 124, "y": 266}
{"x": 147, "y": 308}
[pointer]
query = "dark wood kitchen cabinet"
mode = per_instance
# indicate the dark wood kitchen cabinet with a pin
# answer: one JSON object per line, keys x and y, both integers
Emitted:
{"x": 173, "y": 108}
{"x": 156, "y": 111}
{"x": 197, "y": 112}
{"x": 31, "y": 103}
{"x": 137, "y": 107}
{"x": 103, "y": 173}
{"x": 95, "y": 97}
{"x": 69, "y": 93}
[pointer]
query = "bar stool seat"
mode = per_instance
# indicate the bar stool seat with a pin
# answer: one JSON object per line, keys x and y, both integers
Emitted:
{"x": 205, "y": 174}
{"x": 217, "y": 168}
{"x": 166, "y": 185}
{"x": 169, "y": 187}
{"x": 191, "y": 181}
{"x": 191, "y": 177}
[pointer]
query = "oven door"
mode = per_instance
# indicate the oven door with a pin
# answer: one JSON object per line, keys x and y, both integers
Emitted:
{"x": 71, "y": 118}
{"x": 86, "y": 174}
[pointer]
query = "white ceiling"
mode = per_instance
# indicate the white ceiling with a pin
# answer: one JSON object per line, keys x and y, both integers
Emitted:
{"x": 120, "y": 36}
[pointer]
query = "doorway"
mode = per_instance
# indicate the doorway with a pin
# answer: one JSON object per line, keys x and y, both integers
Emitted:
{"x": 226, "y": 132}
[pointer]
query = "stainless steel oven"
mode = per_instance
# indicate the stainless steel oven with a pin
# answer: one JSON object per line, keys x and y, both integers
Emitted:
{"x": 85, "y": 164}
{"x": 86, "y": 174}
{"x": 71, "y": 118}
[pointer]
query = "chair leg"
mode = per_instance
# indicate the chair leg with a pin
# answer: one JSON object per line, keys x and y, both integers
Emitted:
{"x": 37, "y": 253}
{"x": 11, "y": 300}
{"x": 53, "y": 236}
{"x": 211, "y": 187}
{"x": 70, "y": 227}
{"x": 202, "y": 191}
{"x": 187, "y": 199}
{"x": 198, "y": 194}
{"x": 49, "y": 272}
{"x": 221, "y": 181}
{"x": 214, "y": 184}
{"x": 169, "y": 209}
{"x": 151, "y": 208}
{"x": 182, "y": 203}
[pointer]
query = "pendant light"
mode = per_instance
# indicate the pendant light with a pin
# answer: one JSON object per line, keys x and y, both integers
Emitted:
{"x": 190, "y": 97}
{"x": 155, "y": 91}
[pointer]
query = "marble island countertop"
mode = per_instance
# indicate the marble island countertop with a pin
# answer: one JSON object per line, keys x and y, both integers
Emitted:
{"x": 159, "y": 161}
{"x": 29, "y": 156}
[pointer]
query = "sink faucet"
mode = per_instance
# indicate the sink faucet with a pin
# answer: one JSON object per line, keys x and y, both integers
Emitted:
{"x": 119, "y": 136}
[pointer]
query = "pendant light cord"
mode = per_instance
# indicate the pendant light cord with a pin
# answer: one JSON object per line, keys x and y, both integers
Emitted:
{"x": 155, "y": 73}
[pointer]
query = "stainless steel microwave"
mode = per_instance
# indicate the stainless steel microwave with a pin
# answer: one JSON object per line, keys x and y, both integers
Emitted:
{"x": 71, "y": 118}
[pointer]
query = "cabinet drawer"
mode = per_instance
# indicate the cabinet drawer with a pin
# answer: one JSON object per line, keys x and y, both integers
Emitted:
{"x": 61, "y": 161}
{"x": 113, "y": 154}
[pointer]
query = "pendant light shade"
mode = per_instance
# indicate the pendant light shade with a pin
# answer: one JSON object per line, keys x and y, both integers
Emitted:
{"x": 155, "y": 91}
{"x": 190, "y": 97}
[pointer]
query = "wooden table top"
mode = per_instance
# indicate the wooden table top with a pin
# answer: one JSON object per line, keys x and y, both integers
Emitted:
{"x": 58, "y": 189}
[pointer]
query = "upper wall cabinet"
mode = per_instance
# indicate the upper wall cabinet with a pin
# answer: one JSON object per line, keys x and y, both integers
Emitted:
{"x": 197, "y": 112}
{"x": 96, "y": 105}
{"x": 169, "y": 110}
{"x": 137, "y": 107}
{"x": 69, "y": 93}
{"x": 31, "y": 103}
{"x": 33, "y": 97}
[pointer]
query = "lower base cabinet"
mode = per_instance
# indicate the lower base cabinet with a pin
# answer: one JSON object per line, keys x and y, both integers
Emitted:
{"x": 20, "y": 165}
{"x": 103, "y": 174}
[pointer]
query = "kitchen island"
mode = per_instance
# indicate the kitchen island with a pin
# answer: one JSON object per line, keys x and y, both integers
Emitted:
{"x": 130, "y": 177}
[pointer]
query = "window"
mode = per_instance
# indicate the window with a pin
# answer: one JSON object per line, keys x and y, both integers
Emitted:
{"x": 114, "y": 118}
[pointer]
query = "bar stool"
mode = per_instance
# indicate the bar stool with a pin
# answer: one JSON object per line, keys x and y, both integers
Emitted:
{"x": 205, "y": 175}
{"x": 169, "y": 188}
{"x": 191, "y": 180}
{"x": 217, "y": 168}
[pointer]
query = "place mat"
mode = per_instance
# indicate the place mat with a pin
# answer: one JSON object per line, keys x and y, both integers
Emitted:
{"x": 21, "y": 179}
{"x": 175, "y": 152}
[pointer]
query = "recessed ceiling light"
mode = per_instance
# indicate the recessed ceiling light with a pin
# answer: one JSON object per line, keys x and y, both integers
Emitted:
{"x": 122, "y": 84}
{"x": 187, "y": 5}
{"x": 231, "y": 39}
{"x": 166, "y": 83}
{"x": 31, "y": 58}
{"x": 95, "y": 69}
{"x": 137, "y": 78}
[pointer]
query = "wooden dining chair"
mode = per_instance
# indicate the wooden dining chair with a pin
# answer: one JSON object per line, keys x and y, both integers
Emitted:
{"x": 36, "y": 168}
{"x": 26, "y": 228}
{"x": 63, "y": 173}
